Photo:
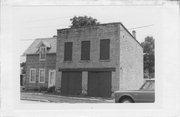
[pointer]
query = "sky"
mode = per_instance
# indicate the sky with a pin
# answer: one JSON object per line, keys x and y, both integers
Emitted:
{"x": 30, "y": 23}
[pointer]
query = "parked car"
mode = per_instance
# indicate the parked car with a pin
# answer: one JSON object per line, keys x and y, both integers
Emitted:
{"x": 145, "y": 94}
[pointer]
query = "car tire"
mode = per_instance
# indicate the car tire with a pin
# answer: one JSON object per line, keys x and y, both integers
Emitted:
{"x": 126, "y": 100}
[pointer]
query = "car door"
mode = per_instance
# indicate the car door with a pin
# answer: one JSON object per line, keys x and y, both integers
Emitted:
{"x": 146, "y": 92}
{"x": 144, "y": 96}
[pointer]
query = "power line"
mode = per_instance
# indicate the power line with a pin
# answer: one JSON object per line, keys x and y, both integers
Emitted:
{"x": 141, "y": 27}
{"x": 53, "y": 18}
{"x": 128, "y": 29}
{"x": 27, "y": 39}
{"x": 47, "y": 19}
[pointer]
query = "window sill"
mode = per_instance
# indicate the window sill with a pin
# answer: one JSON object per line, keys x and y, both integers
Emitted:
{"x": 84, "y": 61}
{"x": 42, "y": 59}
{"x": 67, "y": 61}
{"x": 107, "y": 60}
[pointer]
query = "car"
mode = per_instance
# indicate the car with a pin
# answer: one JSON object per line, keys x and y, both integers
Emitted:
{"x": 146, "y": 94}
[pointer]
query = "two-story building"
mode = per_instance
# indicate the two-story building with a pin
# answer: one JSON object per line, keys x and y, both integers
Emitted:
{"x": 98, "y": 60}
{"x": 41, "y": 64}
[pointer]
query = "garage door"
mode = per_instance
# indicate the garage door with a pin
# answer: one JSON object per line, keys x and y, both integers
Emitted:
{"x": 99, "y": 84}
{"x": 71, "y": 83}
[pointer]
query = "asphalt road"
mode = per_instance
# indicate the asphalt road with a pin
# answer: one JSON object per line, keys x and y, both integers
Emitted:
{"x": 40, "y": 97}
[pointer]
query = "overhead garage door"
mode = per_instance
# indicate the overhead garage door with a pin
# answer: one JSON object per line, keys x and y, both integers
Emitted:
{"x": 99, "y": 84}
{"x": 71, "y": 83}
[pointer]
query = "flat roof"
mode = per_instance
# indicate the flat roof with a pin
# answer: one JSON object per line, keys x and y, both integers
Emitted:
{"x": 103, "y": 25}
{"x": 91, "y": 26}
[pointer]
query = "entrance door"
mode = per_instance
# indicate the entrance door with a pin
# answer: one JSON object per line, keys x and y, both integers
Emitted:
{"x": 51, "y": 78}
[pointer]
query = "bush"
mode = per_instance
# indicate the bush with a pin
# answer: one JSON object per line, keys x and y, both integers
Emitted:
{"x": 51, "y": 89}
{"x": 35, "y": 89}
{"x": 42, "y": 89}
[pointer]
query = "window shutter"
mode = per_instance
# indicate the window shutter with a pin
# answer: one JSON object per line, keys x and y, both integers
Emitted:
{"x": 85, "y": 50}
{"x": 104, "y": 49}
{"x": 68, "y": 51}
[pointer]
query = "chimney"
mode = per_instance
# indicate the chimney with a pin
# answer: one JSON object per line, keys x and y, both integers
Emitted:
{"x": 134, "y": 34}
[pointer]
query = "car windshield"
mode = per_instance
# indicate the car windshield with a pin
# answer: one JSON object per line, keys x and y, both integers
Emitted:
{"x": 148, "y": 85}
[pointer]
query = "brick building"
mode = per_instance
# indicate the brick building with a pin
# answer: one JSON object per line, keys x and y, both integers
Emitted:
{"x": 98, "y": 60}
{"x": 41, "y": 64}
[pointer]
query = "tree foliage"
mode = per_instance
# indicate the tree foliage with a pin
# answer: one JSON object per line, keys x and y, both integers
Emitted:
{"x": 23, "y": 67}
{"x": 82, "y": 21}
{"x": 149, "y": 55}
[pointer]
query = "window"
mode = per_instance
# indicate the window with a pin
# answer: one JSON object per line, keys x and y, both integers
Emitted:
{"x": 85, "y": 50}
{"x": 41, "y": 75}
{"x": 68, "y": 51}
{"x": 104, "y": 49}
{"x": 32, "y": 75}
{"x": 42, "y": 53}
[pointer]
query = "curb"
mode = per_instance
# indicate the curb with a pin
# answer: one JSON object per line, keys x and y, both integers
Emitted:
{"x": 59, "y": 96}
{"x": 79, "y": 98}
{"x": 39, "y": 100}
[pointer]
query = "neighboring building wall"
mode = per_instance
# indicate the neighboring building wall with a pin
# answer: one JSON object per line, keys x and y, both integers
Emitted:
{"x": 94, "y": 34}
{"x": 131, "y": 62}
{"x": 126, "y": 55}
{"x": 32, "y": 61}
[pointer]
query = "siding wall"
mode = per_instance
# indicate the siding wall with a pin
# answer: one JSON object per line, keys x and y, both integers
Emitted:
{"x": 131, "y": 62}
{"x": 32, "y": 61}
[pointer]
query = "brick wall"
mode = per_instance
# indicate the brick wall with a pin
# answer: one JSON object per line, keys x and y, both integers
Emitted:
{"x": 126, "y": 55}
{"x": 32, "y": 61}
{"x": 131, "y": 62}
{"x": 94, "y": 34}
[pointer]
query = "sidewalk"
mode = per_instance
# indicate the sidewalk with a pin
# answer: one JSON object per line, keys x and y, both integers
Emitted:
{"x": 62, "y": 99}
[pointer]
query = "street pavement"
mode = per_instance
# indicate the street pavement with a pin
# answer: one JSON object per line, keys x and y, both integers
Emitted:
{"x": 29, "y": 101}
{"x": 41, "y": 97}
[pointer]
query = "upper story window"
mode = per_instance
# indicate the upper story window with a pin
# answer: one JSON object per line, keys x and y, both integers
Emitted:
{"x": 32, "y": 78}
{"x": 41, "y": 75}
{"x": 85, "y": 50}
{"x": 68, "y": 51}
{"x": 42, "y": 54}
{"x": 104, "y": 49}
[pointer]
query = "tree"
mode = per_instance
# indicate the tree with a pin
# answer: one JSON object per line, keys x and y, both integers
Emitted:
{"x": 22, "y": 66}
{"x": 82, "y": 21}
{"x": 149, "y": 56}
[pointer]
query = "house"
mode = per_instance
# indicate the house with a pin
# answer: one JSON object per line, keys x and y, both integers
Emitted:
{"x": 41, "y": 64}
{"x": 98, "y": 60}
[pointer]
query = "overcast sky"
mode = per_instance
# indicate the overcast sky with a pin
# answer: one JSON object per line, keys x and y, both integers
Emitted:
{"x": 41, "y": 22}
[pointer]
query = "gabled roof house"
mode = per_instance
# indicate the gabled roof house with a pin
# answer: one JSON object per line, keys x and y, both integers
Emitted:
{"x": 41, "y": 64}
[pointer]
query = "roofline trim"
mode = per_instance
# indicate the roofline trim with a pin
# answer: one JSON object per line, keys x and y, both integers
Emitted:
{"x": 89, "y": 26}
